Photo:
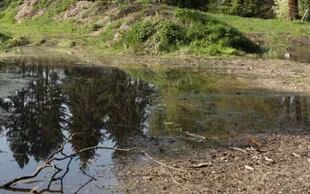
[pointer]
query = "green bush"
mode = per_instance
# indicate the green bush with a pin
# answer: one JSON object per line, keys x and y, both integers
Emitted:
{"x": 193, "y": 30}
{"x": 205, "y": 28}
{"x": 137, "y": 35}
{"x": 142, "y": 31}
{"x": 6, "y": 42}
{"x": 169, "y": 35}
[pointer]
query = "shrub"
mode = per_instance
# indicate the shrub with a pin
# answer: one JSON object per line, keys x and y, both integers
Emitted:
{"x": 137, "y": 35}
{"x": 20, "y": 41}
{"x": 169, "y": 35}
{"x": 195, "y": 30}
{"x": 204, "y": 27}
{"x": 142, "y": 31}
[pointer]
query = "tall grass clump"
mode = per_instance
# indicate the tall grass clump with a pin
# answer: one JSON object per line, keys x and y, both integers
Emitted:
{"x": 191, "y": 30}
{"x": 206, "y": 34}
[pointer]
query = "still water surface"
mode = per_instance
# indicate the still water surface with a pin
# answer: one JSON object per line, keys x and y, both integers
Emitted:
{"x": 41, "y": 106}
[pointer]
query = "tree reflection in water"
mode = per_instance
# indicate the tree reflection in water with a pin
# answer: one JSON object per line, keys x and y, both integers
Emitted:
{"x": 104, "y": 101}
{"x": 33, "y": 127}
{"x": 94, "y": 104}
{"x": 219, "y": 106}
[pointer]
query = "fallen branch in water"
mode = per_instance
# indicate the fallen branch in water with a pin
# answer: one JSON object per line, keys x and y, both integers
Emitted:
{"x": 52, "y": 158}
{"x": 46, "y": 164}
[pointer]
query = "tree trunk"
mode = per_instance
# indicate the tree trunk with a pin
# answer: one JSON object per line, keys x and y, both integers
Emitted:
{"x": 292, "y": 9}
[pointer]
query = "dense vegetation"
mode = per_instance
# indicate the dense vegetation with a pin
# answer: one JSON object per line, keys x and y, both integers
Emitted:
{"x": 245, "y": 8}
{"x": 192, "y": 30}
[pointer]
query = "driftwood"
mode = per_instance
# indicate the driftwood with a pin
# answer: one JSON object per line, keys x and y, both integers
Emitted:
{"x": 249, "y": 168}
{"x": 52, "y": 158}
{"x": 201, "y": 165}
{"x": 195, "y": 135}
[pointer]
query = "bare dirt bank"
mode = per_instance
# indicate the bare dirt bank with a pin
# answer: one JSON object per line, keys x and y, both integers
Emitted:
{"x": 281, "y": 165}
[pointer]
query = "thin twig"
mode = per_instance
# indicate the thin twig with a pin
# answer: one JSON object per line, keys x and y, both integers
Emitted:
{"x": 84, "y": 185}
{"x": 86, "y": 174}
{"x": 177, "y": 183}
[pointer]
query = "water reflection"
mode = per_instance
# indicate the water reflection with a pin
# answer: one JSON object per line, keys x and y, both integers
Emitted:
{"x": 220, "y": 106}
{"x": 33, "y": 127}
{"x": 106, "y": 106}
{"x": 94, "y": 104}
{"x": 110, "y": 103}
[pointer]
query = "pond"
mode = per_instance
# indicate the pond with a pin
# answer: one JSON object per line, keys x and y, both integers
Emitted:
{"x": 43, "y": 107}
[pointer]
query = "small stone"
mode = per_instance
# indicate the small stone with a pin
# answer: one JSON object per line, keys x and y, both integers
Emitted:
{"x": 249, "y": 168}
{"x": 296, "y": 155}
{"x": 147, "y": 178}
{"x": 287, "y": 55}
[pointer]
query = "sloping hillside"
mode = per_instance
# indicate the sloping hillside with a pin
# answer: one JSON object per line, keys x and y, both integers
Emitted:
{"x": 133, "y": 26}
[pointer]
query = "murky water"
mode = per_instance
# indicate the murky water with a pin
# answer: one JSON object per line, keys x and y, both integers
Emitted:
{"x": 301, "y": 53}
{"x": 42, "y": 106}
{"x": 219, "y": 106}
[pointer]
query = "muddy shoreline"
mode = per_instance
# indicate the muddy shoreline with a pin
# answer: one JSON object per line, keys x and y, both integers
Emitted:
{"x": 260, "y": 73}
{"x": 281, "y": 165}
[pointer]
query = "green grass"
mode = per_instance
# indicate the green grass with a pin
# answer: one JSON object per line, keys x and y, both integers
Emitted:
{"x": 55, "y": 6}
{"x": 276, "y": 34}
{"x": 266, "y": 26}
{"x": 192, "y": 31}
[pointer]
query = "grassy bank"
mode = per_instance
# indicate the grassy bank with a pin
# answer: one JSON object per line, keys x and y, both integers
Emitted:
{"x": 143, "y": 28}
{"x": 274, "y": 34}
